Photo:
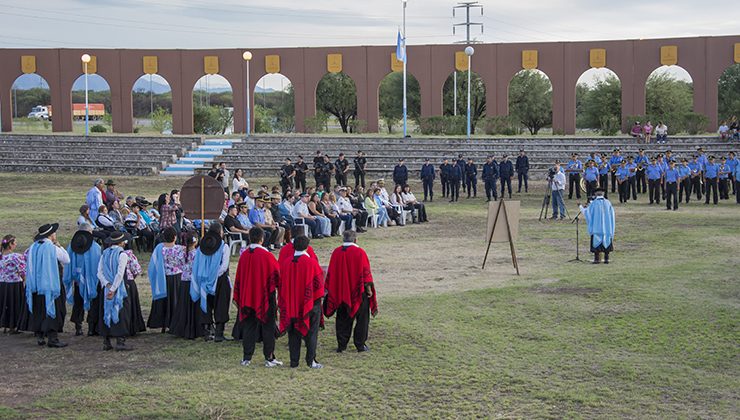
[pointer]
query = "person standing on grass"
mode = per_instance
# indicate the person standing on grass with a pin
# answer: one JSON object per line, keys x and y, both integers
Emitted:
{"x": 599, "y": 215}
{"x": 732, "y": 163}
{"x": 444, "y": 176}
{"x": 672, "y": 177}
{"x": 614, "y": 163}
{"x": 696, "y": 171}
{"x": 655, "y": 175}
{"x": 604, "y": 170}
{"x": 490, "y": 173}
{"x": 711, "y": 177}
{"x": 684, "y": 187}
{"x": 94, "y": 198}
{"x": 471, "y": 178}
{"x": 257, "y": 277}
{"x": 574, "y": 169}
{"x": 360, "y": 162}
{"x": 455, "y": 176}
{"x": 115, "y": 312}
{"x": 168, "y": 259}
{"x": 210, "y": 283}
{"x": 736, "y": 175}
{"x": 44, "y": 288}
{"x": 591, "y": 175}
{"x": 350, "y": 293}
{"x": 724, "y": 176}
{"x": 300, "y": 290}
{"x": 427, "y": 175}
{"x": 81, "y": 280}
{"x": 506, "y": 172}
{"x": 522, "y": 170}
{"x": 400, "y": 173}
{"x": 623, "y": 174}
{"x": 12, "y": 290}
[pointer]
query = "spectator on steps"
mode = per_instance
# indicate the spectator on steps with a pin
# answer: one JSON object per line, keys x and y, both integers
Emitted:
{"x": 636, "y": 130}
{"x": 239, "y": 184}
{"x": 661, "y": 133}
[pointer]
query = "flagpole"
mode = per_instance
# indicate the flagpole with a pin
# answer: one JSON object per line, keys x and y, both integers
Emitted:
{"x": 405, "y": 58}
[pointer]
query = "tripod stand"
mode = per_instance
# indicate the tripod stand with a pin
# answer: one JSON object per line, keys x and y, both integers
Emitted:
{"x": 577, "y": 221}
{"x": 546, "y": 200}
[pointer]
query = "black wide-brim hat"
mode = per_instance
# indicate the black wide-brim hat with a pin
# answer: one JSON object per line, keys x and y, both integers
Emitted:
{"x": 599, "y": 189}
{"x": 117, "y": 238}
{"x": 210, "y": 243}
{"x": 81, "y": 241}
{"x": 45, "y": 231}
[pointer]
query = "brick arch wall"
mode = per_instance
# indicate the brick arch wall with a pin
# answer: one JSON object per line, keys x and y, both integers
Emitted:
{"x": 705, "y": 58}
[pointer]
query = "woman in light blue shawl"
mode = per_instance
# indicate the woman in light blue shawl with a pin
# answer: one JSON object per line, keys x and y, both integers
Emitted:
{"x": 115, "y": 313}
{"x": 210, "y": 285}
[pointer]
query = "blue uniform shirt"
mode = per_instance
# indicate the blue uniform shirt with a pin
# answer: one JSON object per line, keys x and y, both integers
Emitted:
{"x": 591, "y": 174}
{"x": 663, "y": 165}
{"x": 490, "y": 171}
{"x": 711, "y": 170}
{"x": 633, "y": 169}
{"x": 653, "y": 172}
{"x": 574, "y": 166}
{"x": 703, "y": 161}
{"x": 623, "y": 172}
{"x": 695, "y": 167}
{"x": 596, "y": 159}
{"x": 724, "y": 171}
{"x": 671, "y": 175}
{"x": 615, "y": 160}
{"x": 642, "y": 159}
{"x": 603, "y": 170}
{"x": 684, "y": 171}
{"x": 427, "y": 171}
{"x": 736, "y": 173}
{"x": 257, "y": 216}
{"x": 732, "y": 164}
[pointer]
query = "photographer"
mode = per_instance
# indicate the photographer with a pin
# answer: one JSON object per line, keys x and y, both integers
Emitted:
{"x": 556, "y": 181}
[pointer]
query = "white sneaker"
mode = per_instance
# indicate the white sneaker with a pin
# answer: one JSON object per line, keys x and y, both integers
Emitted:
{"x": 315, "y": 365}
{"x": 273, "y": 363}
{"x": 246, "y": 362}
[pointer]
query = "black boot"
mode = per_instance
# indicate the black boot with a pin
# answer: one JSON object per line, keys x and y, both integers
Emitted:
{"x": 219, "y": 337}
{"x": 78, "y": 330}
{"x": 40, "y": 339}
{"x": 208, "y": 332}
{"x": 106, "y": 344}
{"x": 121, "y": 344}
{"x": 606, "y": 258}
{"x": 597, "y": 257}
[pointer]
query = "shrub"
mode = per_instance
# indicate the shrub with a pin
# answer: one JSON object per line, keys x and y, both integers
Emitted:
{"x": 695, "y": 123}
{"x": 97, "y": 128}
{"x": 439, "y": 125}
{"x": 317, "y": 123}
{"x": 357, "y": 126}
{"x": 501, "y": 125}
{"x": 609, "y": 125}
{"x": 161, "y": 120}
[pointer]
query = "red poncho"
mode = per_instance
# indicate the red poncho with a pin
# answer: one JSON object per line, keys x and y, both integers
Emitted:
{"x": 257, "y": 276}
{"x": 287, "y": 251}
{"x": 301, "y": 284}
{"x": 349, "y": 273}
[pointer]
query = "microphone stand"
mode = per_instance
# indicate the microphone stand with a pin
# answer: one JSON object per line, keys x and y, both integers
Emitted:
{"x": 577, "y": 221}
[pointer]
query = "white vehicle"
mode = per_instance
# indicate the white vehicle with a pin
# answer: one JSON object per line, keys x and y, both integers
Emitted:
{"x": 39, "y": 113}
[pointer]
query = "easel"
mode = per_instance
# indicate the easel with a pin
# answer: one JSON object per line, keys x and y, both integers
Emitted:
{"x": 502, "y": 210}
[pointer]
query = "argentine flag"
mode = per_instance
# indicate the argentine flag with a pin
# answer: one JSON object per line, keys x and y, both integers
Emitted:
{"x": 400, "y": 48}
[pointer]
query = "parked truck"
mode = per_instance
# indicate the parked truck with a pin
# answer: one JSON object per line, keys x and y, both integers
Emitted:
{"x": 44, "y": 112}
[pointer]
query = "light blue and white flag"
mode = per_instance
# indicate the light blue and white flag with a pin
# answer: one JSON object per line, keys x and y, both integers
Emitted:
{"x": 400, "y": 48}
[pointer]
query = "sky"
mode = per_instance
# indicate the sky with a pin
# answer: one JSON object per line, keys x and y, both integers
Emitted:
{"x": 247, "y": 24}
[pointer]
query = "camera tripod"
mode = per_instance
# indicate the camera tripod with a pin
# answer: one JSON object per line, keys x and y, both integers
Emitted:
{"x": 546, "y": 201}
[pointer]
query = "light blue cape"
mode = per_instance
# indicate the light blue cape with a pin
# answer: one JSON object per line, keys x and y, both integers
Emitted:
{"x": 83, "y": 270}
{"x": 205, "y": 275}
{"x": 157, "y": 276}
{"x": 600, "y": 219}
{"x": 42, "y": 276}
{"x": 112, "y": 307}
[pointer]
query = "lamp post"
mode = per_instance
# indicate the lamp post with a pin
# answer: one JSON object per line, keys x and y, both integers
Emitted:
{"x": 248, "y": 57}
{"x": 469, "y": 51}
{"x": 405, "y": 59}
{"x": 85, "y": 60}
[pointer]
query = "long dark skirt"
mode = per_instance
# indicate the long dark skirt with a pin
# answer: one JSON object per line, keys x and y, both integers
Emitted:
{"x": 78, "y": 306}
{"x": 236, "y": 332}
{"x": 123, "y": 327}
{"x": 601, "y": 247}
{"x": 220, "y": 303}
{"x": 39, "y": 322}
{"x": 137, "y": 318}
{"x": 24, "y": 322}
{"x": 163, "y": 309}
{"x": 93, "y": 315}
{"x": 12, "y": 301}
{"x": 186, "y": 319}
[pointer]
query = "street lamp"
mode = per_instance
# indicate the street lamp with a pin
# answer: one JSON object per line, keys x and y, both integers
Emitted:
{"x": 405, "y": 59}
{"x": 85, "y": 60}
{"x": 247, "y": 56}
{"x": 469, "y": 51}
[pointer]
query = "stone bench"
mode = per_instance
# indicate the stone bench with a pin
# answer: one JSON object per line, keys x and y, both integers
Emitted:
{"x": 87, "y": 169}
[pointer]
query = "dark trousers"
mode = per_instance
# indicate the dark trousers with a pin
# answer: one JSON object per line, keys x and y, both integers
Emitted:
{"x": 574, "y": 183}
{"x": 454, "y": 189}
{"x": 641, "y": 182}
{"x": 361, "y": 218}
{"x": 604, "y": 183}
{"x": 654, "y": 190}
{"x": 733, "y": 182}
{"x": 301, "y": 183}
{"x": 737, "y": 192}
{"x": 671, "y": 190}
{"x": 633, "y": 187}
{"x": 313, "y": 226}
{"x": 341, "y": 179}
{"x": 286, "y": 184}
{"x": 253, "y": 329}
{"x": 472, "y": 183}
{"x": 696, "y": 186}
{"x": 614, "y": 181}
{"x": 524, "y": 175}
{"x": 271, "y": 235}
{"x": 684, "y": 189}
{"x": 490, "y": 186}
{"x": 428, "y": 188}
{"x": 360, "y": 179}
{"x": 711, "y": 187}
{"x": 590, "y": 187}
{"x": 361, "y": 321}
{"x": 311, "y": 338}
{"x": 724, "y": 189}
{"x": 662, "y": 189}
{"x": 624, "y": 191}
{"x": 505, "y": 181}
{"x": 445, "y": 187}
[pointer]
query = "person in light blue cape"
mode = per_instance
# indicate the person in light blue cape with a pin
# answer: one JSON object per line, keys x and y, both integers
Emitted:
{"x": 210, "y": 284}
{"x": 44, "y": 288}
{"x": 81, "y": 279}
{"x": 599, "y": 215}
{"x": 115, "y": 307}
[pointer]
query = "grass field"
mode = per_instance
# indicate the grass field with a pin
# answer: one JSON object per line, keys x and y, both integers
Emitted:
{"x": 655, "y": 334}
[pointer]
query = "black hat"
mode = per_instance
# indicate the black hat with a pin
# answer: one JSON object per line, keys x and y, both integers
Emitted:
{"x": 210, "y": 243}
{"x": 141, "y": 201}
{"x": 599, "y": 189}
{"x": 616, "y": 149}
{"x": 711, "y": 157}
{"x": 110, "y": 182}
{"x": 117, "y": 238}
{"x": 81, "y": 241}
{"x": 426, "y": 159}
{"x": 641, "y": 150}
{"x": 300, "y": 157}
{"x": 45, "y": 231}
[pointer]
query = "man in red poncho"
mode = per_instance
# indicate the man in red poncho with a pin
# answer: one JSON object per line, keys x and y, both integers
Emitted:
{"x": 286, "y": 252}
{"x": 257, "y": 277}
{"x": 301, "y": 288}
{"x": 350, "y": 292}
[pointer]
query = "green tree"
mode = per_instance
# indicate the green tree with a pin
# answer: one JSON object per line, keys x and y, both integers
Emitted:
{"x": 211, "y": 119}
{"x": 729, "y": 93}
{"x": 280, "y": 106}
{"x": 602, "y": 100}
{"x": 161, "y": 120}
{"x": 141, "y": 102}
{"x": 390, "y": 98}
{"x": 530, "y": 100}
{"x": 25, "y": 100}
{"x": 477, "y": 97}
{"x": 667, "y": 98}
{"x": 336, "y": 95}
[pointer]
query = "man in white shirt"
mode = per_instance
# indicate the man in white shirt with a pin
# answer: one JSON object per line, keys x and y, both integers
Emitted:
{"x": 300, "y": 211}
{"x": 557, "y": 186}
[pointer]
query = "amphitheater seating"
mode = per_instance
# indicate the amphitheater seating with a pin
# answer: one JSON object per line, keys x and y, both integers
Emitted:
{"x": 94, "y": 155}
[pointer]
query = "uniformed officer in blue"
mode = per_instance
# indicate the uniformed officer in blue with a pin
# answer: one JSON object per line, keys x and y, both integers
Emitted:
{"x": 490, "y": 174}
{"x": 427, "y": 179}
{"x": 711, "y": 177}
{"x": 454, "y": 179}
{"x": 522, "y": 170}
{"x": 444, "y": 177}
{"x": 655, "y": 177}
{"x": 614, "y": 162}
{"x": 663, "y": 167}
{"x": 505, "y": 172}
{"x": 724, "y": 178}
{"x": 573, "y": 169}
{"x": 703, "y": 161}
{"x": 671, "y": 185}
{"x": 461, "y": 163}
{"x": 684, "y": 187}
{"x": 632, "y": 166}
{"x": 696, "y": 171}
{"x": 401, "y": 173}
{"x": 604, "y": 170}
{"x": 471, "y": 177}
{"x": 732, "y": 163}
{"x": 642, "y": 162}
{"x": 623, "y": 176}
{"x": 591, "y": 175}
{"x": 736, "y": 175}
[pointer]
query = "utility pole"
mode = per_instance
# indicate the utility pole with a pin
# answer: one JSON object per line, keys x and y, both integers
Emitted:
{"x": 467, "y": 5}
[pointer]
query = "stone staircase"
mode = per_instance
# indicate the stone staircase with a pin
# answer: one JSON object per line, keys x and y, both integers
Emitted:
{"x": 201, "y": 157}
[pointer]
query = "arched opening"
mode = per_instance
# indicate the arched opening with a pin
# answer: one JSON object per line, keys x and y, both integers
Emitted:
{"x": 99, "y": 104}
{"x": 455, "y": 99}
{"x": 728, "y": 95}
{"x": 31, "y": 104}
{"x": 599, "y": 102}
{"x": 213, "y": 105}
{"x": 336, "y": 105}
{"x": 530, "y": 100}
{"x": 274, "y": 105}
{"x": 151, "y": 102}
{"x": 669, "y": 97}
{"x": 390, "y": 101}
